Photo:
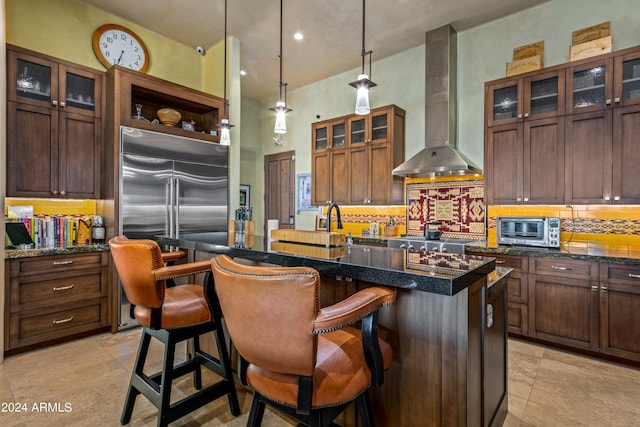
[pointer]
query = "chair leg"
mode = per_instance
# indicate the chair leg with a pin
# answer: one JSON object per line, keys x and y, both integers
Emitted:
{"x": 364, "y": 408}
{"x": 225, "y": 361}
{"x": 197, "y": 372}
{"x": 138, "y": 367}
{"x": 257, "y": 411}
{"x": 166, "y": 381}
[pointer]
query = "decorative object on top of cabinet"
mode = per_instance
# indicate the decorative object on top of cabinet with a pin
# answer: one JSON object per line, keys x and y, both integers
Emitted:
{"x": 364, "y": 149}
{"x": 54, "y": 126}
{"x": 169, "y": 116}
{"x": 591, "y": 41}
{"x": 591, "y": 33}
{"x": 592, "y": 48}
{"x": 117, "y": 45}
{"x": 526, "y": 58}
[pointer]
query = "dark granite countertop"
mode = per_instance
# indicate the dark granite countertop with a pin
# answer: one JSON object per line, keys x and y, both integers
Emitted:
{"x": 444, "y": 274}
{"x": 27, "y": 253}
{"x": 587, "y": 251}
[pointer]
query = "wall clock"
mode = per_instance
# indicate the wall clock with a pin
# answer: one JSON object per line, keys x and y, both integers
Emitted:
{"x": 116, "y": 45}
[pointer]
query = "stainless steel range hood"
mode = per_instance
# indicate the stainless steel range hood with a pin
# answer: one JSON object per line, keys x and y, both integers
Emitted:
{"x": 440, "y": 156}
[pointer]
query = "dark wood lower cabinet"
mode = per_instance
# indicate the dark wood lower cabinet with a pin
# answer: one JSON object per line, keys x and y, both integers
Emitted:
{"x": 50, "y": 298}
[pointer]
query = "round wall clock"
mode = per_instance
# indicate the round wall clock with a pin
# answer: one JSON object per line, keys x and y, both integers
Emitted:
{"x": 116, "y": 45}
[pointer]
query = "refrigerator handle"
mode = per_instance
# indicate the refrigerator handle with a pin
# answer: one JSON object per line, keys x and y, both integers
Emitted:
{"x": 169, "y": 205}
{"x": 177, "y": 195}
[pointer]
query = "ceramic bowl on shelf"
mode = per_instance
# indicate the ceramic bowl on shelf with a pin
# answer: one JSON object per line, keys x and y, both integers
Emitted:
{"x": 168, "y": 116}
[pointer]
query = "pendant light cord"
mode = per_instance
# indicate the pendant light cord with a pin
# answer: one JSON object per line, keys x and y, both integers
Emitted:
{"x": 225, "y": 61}
{"x": 280, "y": 56}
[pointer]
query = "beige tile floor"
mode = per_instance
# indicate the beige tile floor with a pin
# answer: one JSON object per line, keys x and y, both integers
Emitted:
{"x": 83, "y": 383}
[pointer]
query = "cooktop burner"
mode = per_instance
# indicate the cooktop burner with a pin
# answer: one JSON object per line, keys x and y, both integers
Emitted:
{"x": 455, "y": 246}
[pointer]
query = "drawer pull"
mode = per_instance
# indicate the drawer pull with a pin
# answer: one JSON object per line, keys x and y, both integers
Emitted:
{"x": 499, "y": 261}
{"x": 560, "y": 268}
{"x": 63, "y": 288}
{"x": 68, "y": 319}
{"x": 603, "y": 288}
{"x": 62, "y": 262}
{"x": 594, "y": 288}
{"x": 635, "y": 276}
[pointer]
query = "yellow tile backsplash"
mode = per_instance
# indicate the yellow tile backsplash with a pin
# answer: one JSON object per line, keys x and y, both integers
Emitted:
{"x": 54, "y": 206}
{"x": 611, "y": 224}
{"x": 357, "y": 218}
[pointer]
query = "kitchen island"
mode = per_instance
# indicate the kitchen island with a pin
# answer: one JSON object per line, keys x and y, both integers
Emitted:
{"x": 447, "y": 327}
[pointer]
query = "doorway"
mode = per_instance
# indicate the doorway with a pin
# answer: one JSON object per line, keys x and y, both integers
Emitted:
{"x": 279, "y": 189}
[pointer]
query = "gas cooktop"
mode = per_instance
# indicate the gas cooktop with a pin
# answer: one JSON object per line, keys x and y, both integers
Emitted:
{"x": 455, "y": 246}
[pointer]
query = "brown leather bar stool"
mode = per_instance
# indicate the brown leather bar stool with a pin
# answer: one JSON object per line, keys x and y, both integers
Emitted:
{"x": 301, "y": 359}
{"x": 171, "y": 315}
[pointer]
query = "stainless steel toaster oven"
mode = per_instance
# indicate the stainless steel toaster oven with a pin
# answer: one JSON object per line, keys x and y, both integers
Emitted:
{"x": 529, "y": 231}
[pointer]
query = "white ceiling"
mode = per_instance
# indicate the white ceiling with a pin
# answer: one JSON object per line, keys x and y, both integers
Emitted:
{"x": 332, "y": 30}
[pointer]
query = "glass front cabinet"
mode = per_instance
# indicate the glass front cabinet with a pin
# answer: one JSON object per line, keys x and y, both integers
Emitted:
{"x": 42, "y": 82}
{"x": 528, "y": 98}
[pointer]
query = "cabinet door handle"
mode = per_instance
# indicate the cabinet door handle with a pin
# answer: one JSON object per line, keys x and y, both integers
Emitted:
{"x": 68, "y": 319}
{"x": 616, "y": 197}
{"x": 635, "y": 276}
{"x": 54, "y": 102}
{"x": 616, "y": 100}
{"x": 554, "y": 267}
{"x": 63, "y": 288}
{"x": 526, "y": 199}
{"x": 54, "y": 193}
{"x": 519, "y": 116}
{"x": 526, "y": 114}
{"x": 608, "y": 102}
{"x": 607, "y": 197}
{"x": 518, "y": 199}
{"x": 63, "y": 193}
{"x": 594, "y": 288}
{"x": 62, "y": 103}
{"x": 499, "y": 261}
{"x": 62, "y": 262}
{"x": 603, "y": 288}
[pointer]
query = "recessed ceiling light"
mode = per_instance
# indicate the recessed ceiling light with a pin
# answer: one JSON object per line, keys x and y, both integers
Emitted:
{"x": 298, "y": 36}
{"x": 243, "y": 72}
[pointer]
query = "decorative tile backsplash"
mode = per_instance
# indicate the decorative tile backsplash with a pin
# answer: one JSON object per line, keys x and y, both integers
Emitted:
{"x": 458, "y": 205}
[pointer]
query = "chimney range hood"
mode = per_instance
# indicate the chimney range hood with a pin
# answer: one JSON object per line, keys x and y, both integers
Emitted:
{"x": 440, "y": 156}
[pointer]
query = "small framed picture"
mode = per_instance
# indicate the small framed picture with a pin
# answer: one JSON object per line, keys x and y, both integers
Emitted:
{"x": 245, "y": 195}
{"x": 188, "y": 125}
{"x": 321, "y": 222}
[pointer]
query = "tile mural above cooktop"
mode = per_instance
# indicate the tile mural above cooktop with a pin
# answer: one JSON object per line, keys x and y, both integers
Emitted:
{"x": 458, "y": 205}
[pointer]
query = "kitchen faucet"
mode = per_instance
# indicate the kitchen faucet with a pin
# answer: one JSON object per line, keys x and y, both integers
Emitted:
{"x": 331, "y": 206}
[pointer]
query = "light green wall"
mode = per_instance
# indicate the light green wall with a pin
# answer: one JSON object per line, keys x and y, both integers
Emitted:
{"x": 484, "y": 51}
{"x": 64, "y": 29}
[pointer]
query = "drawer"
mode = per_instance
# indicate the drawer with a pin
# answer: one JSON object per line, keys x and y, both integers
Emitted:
{"x": 33, "y": 292}
{"x": 56, "y": 263}
{"x": 563, "y": 267}
{"x": 32, "y": 327}
{"x": 515, "y": 262}
{"x": 624, "y": 274}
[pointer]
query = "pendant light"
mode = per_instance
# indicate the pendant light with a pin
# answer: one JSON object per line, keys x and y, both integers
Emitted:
{"x": 281, "y": 109}
{"x": 224, "y": 126}
{"x": 363, "y": 84}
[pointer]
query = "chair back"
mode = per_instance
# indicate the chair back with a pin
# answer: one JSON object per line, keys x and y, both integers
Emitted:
{"x": 135, "y": 261}
{"x": 269, "y": 312}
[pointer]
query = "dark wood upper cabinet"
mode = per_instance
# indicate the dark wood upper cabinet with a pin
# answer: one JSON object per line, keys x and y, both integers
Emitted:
{"x": 353, "y": 156}
{"x": 54, "y": 127}
{"x": 565, "y": 134}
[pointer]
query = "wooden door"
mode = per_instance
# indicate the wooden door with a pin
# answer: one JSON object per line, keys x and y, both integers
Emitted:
{"x": 588, "y": 169}
{"x": 32, "y": 150}
{"x": 379, "y": 172}
{"x": 320, "y": 179}
{"x": 543, "y": 161}
{"x": 279, "y": 197}
{"x": 620, "y": 308}
{"x": 503, "y": 164}
{"x": 359, "y": 174}
{"x": 626, "y": 155}
{"x": 338, "y": 163}
{"x": 79, "y": 156}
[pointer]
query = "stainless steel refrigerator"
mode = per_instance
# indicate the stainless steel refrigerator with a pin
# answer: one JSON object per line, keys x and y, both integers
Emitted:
{"x": 169, "y": 185}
